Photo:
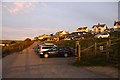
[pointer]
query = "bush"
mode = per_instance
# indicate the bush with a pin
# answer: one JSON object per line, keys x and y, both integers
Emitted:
{"x": 18, "y": 46}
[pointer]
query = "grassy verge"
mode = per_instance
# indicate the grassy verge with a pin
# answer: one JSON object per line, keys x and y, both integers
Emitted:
{"x": 19, "y": 46}
{"x": 98, "y": 60}
{"x": 88, "y": 57}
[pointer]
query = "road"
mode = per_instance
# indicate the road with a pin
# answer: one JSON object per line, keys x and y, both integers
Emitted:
{"x": 27, "y": 64}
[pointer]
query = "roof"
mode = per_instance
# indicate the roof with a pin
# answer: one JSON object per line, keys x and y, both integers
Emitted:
{"x": 82, "y": 28}
{"x": 116, "y": 22}
{"x": 78, "y": 32}
{"x": 99, "y": 25}
{"x": 47, "y": 44}
{"x": 61, "y": 32}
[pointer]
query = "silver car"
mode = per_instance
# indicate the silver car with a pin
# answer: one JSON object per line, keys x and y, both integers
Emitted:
{"x": 45, "y": 47}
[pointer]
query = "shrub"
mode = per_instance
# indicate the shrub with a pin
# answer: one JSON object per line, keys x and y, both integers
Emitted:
{"x": 18, "y": 46}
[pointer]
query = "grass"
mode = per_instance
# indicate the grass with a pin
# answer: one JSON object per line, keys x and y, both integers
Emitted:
{"x": 88, "y": 58}
{"x": 98, "y": 60}
{"x": 18, "y": 46}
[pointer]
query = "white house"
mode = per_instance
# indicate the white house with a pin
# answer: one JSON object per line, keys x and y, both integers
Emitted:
{"x": 116, "y": 25}
{"x": 99, "y": 28}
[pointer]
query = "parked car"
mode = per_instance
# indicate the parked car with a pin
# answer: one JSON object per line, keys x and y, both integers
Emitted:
{"x": 45, "y": 47}
{"x": 102, "y": 35}
{"x": 57, "y": 51}
{"x": 36, "y": 49}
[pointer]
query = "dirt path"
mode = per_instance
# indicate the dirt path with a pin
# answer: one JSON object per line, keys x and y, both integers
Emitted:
{"x": 27, "y": 64}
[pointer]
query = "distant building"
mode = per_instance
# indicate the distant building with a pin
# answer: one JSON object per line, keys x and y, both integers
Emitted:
{"x": 44, "y": 36}
{"x": 62, "y": 33}
{"x": 83, "y": 29}
{"x": 116, "y": 25}
{"x": 99, "y": 28}
{"x": 1, "y": 44}
{"x": 4, "y": 44}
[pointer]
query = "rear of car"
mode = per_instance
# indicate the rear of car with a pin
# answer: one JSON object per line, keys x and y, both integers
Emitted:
{"x": 45, "y": 47}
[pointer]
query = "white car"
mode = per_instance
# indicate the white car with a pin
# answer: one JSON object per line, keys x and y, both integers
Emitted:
{"x": 104, "y": 35}
{"x": 45, "y": 47}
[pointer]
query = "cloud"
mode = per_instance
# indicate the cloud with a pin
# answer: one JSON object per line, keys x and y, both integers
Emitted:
{"x": 17, "y": 7}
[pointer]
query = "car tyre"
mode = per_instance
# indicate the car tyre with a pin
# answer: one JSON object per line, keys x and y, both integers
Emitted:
{"x": 46, "y": 55}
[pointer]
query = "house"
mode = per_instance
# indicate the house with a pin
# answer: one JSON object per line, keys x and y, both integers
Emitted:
{"x": 82, "y": 29}
{"x": 4, "y": 44}
{"x": 44, "y": 36}
{"x": 99, "y": 28}
{"x": 116, "y": 25}
{"x": 62, "y": 33}
{"x": 1, "y": 44}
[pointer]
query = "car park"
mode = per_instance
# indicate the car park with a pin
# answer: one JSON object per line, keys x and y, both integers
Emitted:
{"x": 57, "y": 51}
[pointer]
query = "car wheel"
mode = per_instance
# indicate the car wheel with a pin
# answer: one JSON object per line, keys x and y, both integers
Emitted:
{"x": 66, "y": 55}
{"x": 46, "y": 55}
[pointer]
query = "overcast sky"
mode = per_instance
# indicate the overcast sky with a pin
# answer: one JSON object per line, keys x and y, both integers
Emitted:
{"x": 30, "y": 19}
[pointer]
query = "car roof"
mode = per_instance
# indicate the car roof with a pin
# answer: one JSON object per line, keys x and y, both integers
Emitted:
{"x": 47, "y": 44}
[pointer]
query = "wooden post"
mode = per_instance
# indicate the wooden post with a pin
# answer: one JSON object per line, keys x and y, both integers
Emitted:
{"x": 78, "y": 50}
{"x": 95, "y": 48}
{"x": 109, "y": 43}
{"x": 107, "y": 52}
{"x": 101, "y": 48}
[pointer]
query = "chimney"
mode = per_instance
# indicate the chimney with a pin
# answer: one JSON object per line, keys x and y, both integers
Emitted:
{"x": 115, "y": 21}
{"x": 98, "y": 24}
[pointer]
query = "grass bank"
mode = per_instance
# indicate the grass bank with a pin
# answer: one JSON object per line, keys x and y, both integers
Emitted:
{"x": 16, "y": 47}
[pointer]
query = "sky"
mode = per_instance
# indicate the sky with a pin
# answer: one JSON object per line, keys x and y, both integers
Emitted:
{"x": 21, "y": 20}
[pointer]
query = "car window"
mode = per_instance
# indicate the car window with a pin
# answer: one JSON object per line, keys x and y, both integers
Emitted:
{"x": 54, "y": 48}
{"x": 47, "y": 47}
{"x": 60, "y": 49}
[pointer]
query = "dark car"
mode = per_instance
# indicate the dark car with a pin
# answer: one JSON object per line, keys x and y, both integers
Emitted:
{"x": 36, "y": 49}
{"x": 58, "y": 51}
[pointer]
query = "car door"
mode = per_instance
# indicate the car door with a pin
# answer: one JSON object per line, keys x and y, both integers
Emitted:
{"x": 61, "y": 50}
{"x": 53, "y": 51}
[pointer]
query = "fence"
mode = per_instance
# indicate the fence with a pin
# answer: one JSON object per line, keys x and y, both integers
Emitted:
{"x": 106, "y": 48}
